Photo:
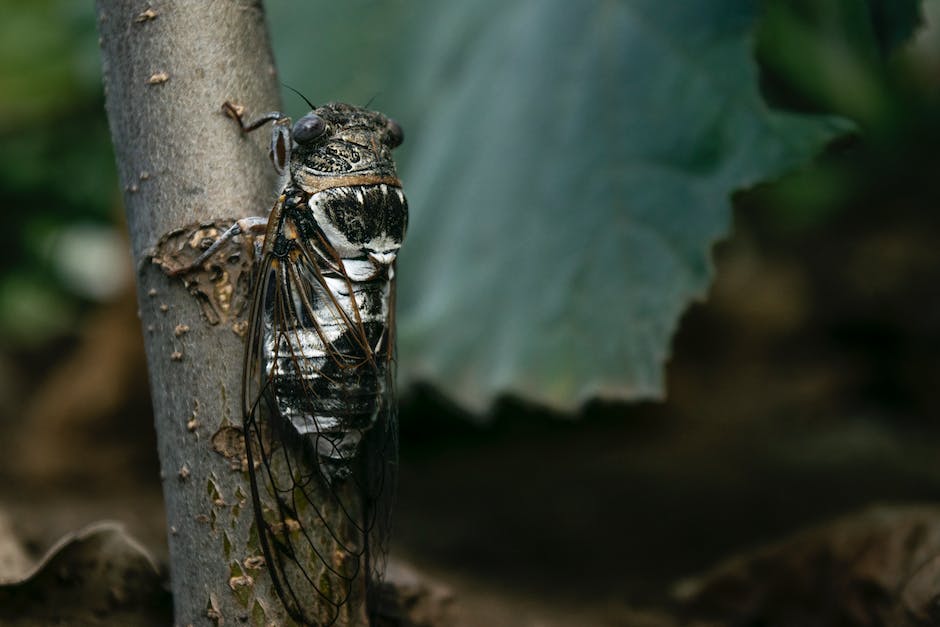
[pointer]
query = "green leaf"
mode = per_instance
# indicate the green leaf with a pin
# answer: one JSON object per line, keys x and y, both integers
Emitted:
{"x": 567, "y": 189}
{"x": 569, "y": 167}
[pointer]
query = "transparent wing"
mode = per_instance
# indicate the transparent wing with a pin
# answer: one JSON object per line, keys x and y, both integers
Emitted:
{"x": 320, "y": 428}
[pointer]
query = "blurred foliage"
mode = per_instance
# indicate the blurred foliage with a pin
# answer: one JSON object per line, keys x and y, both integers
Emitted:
{"x": 49, "y": 61}
{"x": 56, "y": 164}
{"x": 568, "y": 169}
{"x": 845, "y": 57}
{"x": 834, "y": 56}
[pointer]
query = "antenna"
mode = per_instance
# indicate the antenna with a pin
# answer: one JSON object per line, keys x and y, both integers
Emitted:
{"x": 312, "y": 106}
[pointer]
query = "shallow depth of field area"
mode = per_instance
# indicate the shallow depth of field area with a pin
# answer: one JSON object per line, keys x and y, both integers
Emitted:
{"x": 669, "y": 312}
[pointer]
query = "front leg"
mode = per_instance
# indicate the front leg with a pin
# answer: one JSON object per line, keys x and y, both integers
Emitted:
{"x": 280, "y": 135}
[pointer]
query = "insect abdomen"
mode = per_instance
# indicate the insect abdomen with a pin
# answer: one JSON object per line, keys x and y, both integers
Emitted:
{"x": 328, "y": 382}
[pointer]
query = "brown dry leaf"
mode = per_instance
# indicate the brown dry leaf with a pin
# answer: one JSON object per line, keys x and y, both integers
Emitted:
{"x": 877, "y": 568}
{"x": 14, "y": 562}
{"x": 409, "y": 599}
{"x": 96, "y": 576}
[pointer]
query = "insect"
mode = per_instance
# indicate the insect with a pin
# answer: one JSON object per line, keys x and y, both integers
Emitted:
{"x": 319, "y": 404}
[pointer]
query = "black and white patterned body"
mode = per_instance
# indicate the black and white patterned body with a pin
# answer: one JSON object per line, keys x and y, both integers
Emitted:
{"x": 319, "y": 390}
{"x": 331, "y": 370}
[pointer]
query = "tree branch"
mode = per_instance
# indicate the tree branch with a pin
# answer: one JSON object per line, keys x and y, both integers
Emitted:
{"x": 168, "y": 67}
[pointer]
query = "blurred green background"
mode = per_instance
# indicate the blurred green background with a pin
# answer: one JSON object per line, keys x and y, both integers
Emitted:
{"x": 621, "y": 254}
{"x": 592, "y": 151}
{"x": 588, "y": 159}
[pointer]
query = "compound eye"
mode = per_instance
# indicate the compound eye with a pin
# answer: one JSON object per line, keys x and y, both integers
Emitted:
{"x": 308, "y": 128}
{"x": 395, "y": 135}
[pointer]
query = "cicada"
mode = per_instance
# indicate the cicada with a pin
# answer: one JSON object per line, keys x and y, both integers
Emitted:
{"x": 319, "y": 403}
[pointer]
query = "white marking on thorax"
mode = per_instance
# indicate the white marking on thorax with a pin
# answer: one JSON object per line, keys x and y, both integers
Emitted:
{"x": 381, "y": 244}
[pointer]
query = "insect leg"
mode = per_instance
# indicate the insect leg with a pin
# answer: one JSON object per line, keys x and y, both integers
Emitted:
{"x": 280, "y": 135}
{"x": 256, "y": 225}
{"x": 237, "y": 112}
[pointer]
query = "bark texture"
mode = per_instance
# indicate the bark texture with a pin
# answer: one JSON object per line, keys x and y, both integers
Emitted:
{"x": 168, "y": 67}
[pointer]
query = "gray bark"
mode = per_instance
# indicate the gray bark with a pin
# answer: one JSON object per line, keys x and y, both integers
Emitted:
{"x": 168, "y": 66}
